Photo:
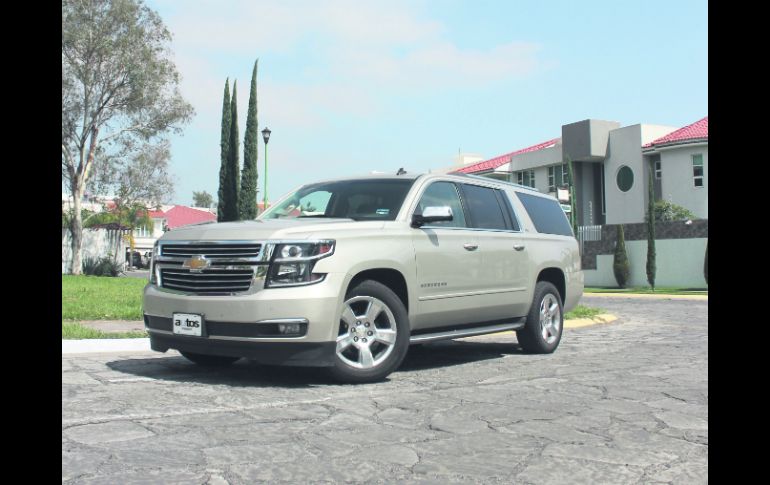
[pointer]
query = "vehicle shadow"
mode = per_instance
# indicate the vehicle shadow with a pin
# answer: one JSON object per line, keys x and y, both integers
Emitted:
{"x": 247, "y": 373}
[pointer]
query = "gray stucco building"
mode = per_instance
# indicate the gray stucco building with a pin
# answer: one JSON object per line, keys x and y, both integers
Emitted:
{"x": 612, "y": 166}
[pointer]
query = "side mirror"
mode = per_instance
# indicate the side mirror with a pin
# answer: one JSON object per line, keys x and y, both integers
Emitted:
{"x": 432, "y": 214}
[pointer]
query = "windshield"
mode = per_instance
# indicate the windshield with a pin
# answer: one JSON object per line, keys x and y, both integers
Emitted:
{"x": 360, "y": 200}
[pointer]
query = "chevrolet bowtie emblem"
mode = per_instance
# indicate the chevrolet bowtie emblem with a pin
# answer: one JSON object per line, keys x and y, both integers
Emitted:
{"x": 196, "y": 263}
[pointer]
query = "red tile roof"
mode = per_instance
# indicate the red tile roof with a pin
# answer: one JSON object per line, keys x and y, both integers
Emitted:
{"x": 157, "y": 214}
{"x": 180, "y": 215}
{"x": 493, "y": 163}
{"x": 696, "y": 131}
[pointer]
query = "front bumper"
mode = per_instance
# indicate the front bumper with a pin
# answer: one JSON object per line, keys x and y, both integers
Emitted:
{"x": 235, "y": 318}
{"x": 306, "y": 354}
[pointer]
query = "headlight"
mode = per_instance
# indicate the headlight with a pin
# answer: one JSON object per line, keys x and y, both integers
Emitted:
{"x": 293, "y": 263}
{"x": 153, "y": 278}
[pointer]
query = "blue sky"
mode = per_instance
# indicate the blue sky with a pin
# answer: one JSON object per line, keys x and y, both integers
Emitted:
{"x": 348, "y": 87}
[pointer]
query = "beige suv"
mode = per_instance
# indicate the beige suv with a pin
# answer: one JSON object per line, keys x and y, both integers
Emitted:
{"x": 347, "y": 273}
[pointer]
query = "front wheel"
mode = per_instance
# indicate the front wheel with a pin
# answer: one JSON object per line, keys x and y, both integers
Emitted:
{"x": 545, "y": 321}
{"x": 373, "y": 334}
{"x": 209, "y": 360}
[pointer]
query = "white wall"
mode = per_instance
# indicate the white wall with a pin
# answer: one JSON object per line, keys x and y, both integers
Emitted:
{"x": 677, "y": 181}
{"x": 96, "y": 243}
{"x": 679, "y": 262}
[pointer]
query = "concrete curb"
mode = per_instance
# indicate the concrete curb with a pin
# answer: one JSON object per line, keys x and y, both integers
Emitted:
{"x": 91, "y": 346}
{"x": 648, "y": 296}
{"x": 587, "y": 322}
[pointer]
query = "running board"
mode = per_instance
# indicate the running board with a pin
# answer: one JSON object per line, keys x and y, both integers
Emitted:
{"x": 465, "y": 332}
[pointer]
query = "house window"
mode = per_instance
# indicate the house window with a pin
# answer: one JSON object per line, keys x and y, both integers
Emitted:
{"x": 551, "y": 180}
{"x": 558, "y": 175}
{"x": 604, "y": 196}
{"x": 697, "y": 170}
{"x": 625, "y": 178}
{"x": 658, "y": 170}
{"x": 526, "y": 177}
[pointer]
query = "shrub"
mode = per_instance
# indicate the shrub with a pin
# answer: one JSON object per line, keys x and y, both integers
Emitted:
{"x": 665, "y": 211}
{"x": 620, "y": 264}
{"x": 651, "y": 267}
{"x": 103, "y": 266}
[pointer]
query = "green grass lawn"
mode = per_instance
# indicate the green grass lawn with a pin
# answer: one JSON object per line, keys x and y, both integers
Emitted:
{"x": 101, "y": 298}
{"x": 663, "y": 290}
{"x": 74, "y": 330}
{"x": 581, "y": 311}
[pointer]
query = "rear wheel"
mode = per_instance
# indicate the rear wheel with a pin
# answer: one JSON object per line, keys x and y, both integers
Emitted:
{"x": 373, "y": 334}
{"x": 209, "y": 360}
{"x": 545, "y": 321}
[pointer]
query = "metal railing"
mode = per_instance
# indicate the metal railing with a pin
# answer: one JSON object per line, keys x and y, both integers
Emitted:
{"x": 588, "y": 233}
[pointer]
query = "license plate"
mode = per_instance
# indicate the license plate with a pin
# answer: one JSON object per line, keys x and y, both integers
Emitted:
{"x": 187, "y": 324}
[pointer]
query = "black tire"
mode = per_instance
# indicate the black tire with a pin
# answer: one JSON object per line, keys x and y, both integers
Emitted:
{"x": 535, "y": 338}
{"x": 344, "y": 371}
{"x": 209, "y": 360}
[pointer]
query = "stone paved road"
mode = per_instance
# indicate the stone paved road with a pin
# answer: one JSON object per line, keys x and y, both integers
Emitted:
{"x": 620, "y": 403}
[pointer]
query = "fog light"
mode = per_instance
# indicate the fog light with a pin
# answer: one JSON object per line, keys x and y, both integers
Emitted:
{"x": 289, "y": 328}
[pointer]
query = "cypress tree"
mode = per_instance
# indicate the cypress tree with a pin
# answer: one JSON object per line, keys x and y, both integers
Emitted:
{"x": 572, "y": 197}
{"x": 651, "y": 233}
{"x": 233, "y": 169}
{"x": 224, "y": 146}
{"x": 620, "y": 264}
{"x": 247, "y": 199}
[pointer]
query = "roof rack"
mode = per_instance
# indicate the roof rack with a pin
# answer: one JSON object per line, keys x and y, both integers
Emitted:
{"x": 487, "y": 179}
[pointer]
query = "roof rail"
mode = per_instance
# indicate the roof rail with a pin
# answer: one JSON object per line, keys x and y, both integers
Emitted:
{"x": 487, "y": 179}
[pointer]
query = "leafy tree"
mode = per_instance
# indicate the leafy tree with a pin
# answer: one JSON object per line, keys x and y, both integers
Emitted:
{"x": 139, "y": 175}
{"x": 666, "y": 211}
{"x": 224, "y": 145}
{"x": 247, "y": 199}
{"x": 202, "y": 199}
{"x": 651, "y": 269}
{"x": 125, "y": 217}
{"x": 119, "y": 85}
{"x": 620, "y": 265}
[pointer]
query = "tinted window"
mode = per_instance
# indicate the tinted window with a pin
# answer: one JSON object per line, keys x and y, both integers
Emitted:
{"x": 546, "y": 214}
{"x": 361, "y": 200}
{"x": 484, "y": 209}
{"x": 442, "y": 194}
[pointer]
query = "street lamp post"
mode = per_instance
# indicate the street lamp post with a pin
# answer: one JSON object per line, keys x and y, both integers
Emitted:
{"x": 266, "y": 137}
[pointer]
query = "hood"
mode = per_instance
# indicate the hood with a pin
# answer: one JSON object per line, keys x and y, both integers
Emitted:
{"x": 253, "y": 230}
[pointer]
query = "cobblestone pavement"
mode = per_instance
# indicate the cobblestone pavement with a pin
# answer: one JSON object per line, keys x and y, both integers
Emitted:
{"x": 620, "y": 403}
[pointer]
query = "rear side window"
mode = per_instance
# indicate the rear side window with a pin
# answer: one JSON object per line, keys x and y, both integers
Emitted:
{"x": 484, "y": 207}
{"x": 546, "y": 214}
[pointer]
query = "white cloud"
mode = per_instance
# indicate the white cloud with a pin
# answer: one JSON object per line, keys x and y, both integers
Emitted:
{"x": 355, "y": 55}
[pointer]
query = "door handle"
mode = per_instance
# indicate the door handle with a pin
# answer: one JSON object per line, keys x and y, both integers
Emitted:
{"x": 471, "y": 247}
{"x": 518, "y": 247}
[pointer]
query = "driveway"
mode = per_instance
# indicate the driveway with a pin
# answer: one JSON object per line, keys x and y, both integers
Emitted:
{"x": 625, "y": 402}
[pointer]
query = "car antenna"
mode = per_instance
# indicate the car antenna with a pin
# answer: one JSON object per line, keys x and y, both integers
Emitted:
{"x": 401, "y": 171}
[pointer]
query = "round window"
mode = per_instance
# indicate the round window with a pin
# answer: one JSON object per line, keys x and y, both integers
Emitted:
{"x": 625, "y": 178}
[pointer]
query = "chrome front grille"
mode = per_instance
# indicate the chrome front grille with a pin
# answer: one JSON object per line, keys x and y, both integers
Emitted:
{"x": 207, "y": 281}
{"x": 228, "y": 267}
{"x": 211, "y": 251}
